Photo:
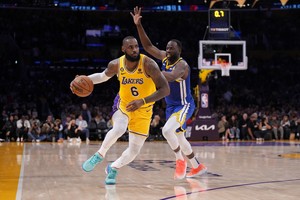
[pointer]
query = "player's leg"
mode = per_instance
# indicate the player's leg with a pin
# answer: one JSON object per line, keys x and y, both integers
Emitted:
{"x": 135, "y": 144}
{"x": 168, "y": 132}
{"x": 197, "y": 167}
{"x": 120, "y": 121}
{"x": 186, "y": 148}
{"x": 138, "y": 133}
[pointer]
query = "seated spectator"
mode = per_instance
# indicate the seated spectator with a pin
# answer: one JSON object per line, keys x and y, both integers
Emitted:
{"x": 35, "y": 133}
{"x": 234, "y": 131}
{"x": 222, "y": 126}
{"x": 47, "y": 128}
{"x": 73, "y": 135}
{"x": 265, "y": 130}
{"x": 9, "y": 129}
{"x": 58, "y": 130}
{"x": 276, "y": 127}
{"x": 82, "y": 127}
{"x": 252, "y": 126}
{"x": 285, "y": 123}
{"x": 293, "y": 126}
{"x": 98, "y": 126}
{"x": 23, "y": 127}
{"x": 156, "y": 128}
{"x": 243, "y": 127}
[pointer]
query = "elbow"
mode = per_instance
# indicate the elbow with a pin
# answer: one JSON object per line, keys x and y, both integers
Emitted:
{"x": 167, "y": 91}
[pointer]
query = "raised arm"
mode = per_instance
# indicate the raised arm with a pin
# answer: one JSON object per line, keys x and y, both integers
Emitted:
{"x": 146, "y": 42}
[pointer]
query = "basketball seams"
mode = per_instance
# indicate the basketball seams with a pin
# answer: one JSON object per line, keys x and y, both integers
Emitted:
{"x": 82, "y": 86}
{"x": 84, "y": 82}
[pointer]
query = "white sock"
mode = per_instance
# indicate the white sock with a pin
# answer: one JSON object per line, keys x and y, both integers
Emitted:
{"x": 178, "y": 155}
{"x": 186, "y": 148}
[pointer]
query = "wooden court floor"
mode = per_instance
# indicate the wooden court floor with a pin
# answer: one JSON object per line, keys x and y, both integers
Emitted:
{"x": 236, "y": 171}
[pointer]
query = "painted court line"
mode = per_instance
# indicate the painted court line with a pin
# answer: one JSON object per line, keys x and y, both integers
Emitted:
{"x": 231, "y": 186}
{"x": 20, "y": 184}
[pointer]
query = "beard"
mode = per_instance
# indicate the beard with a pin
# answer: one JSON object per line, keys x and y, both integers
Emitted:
{"x": 132, "y": 59}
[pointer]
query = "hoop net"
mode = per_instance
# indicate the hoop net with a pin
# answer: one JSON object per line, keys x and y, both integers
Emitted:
{"x": 225, "y": 69}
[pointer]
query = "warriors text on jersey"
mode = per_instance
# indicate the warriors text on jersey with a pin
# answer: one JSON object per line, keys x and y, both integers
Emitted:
{"x": 180, "y": 89}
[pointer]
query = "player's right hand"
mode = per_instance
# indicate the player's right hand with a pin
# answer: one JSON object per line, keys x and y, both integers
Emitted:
{"x": 71, "y": 85}
{"x": 137, "y": 15}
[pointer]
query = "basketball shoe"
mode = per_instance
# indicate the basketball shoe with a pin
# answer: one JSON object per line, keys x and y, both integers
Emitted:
{"x": 180, "y": 170}
{"x": 201, "y": 169}
{"x": 111, "y": 175}
{"x": 91, "y": 163}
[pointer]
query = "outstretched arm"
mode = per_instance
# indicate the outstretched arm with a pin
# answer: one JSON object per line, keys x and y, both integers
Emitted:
{"x": 109, "y": 72}
{"x": 146, "y": 42}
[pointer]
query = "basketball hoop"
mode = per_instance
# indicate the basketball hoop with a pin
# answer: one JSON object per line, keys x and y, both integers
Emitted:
{"x": 225, "y": 69}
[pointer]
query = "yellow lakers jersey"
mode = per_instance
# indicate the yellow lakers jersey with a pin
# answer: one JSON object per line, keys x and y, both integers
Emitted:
{"x": 136, "y": 84}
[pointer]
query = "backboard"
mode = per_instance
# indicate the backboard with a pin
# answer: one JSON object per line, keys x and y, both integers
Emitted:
{"x": 215, "y": 53}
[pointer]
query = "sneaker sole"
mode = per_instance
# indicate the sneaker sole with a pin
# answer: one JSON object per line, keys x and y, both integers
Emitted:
{"x": 203, "y": 171}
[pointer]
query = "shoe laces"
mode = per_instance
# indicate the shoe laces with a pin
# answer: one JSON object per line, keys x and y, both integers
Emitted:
{"x": 95, "y": 160}
{"x": 111, "y": 173}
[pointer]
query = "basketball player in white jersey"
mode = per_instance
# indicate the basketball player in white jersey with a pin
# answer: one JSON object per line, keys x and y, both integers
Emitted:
{"x": 180, "y": 103}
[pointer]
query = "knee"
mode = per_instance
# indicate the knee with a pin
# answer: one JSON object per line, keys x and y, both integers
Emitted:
{"x": 167, "y": 131}
{"x": 119, "y": 129}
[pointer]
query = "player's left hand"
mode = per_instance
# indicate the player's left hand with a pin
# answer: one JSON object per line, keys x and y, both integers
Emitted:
{"x": 134, "y": 105}
{"x": 137, "y": 15}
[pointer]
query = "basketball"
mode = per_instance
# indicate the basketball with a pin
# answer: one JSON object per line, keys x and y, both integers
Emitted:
{"x": 82, "y": 86}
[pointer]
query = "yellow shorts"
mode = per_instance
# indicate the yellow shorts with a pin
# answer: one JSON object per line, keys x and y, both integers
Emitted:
{"x": 139, "y": 120}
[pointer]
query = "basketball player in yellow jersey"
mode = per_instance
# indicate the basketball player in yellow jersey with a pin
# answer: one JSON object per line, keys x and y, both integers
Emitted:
{"x": 141, "y": 84}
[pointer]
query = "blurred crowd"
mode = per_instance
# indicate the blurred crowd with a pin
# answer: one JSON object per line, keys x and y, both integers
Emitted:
{"x": 36, "y": 103}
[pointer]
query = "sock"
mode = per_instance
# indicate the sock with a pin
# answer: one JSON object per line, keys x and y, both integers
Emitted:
{"x": 178, "y": 154}
{"x": 194, "y": 162}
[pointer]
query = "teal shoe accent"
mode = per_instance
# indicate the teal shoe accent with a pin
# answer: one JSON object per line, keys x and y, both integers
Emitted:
{"x": 91, "y": 163}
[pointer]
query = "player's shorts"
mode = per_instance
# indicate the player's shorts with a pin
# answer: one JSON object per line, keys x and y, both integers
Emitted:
{"x": 182, "y": 113}
{"x": 116, "y": 103}
{"x": 139, "y": 120}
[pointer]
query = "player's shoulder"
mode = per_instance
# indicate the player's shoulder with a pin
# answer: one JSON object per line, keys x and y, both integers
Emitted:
{"x": 182, "y": 62}
{"x": 148, "y": 61}
{"x": 114, "y": 62}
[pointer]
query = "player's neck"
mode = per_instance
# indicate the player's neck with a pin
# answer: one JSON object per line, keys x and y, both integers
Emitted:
{"x": 131, "y": 66}
{"x": 172, "y": 60}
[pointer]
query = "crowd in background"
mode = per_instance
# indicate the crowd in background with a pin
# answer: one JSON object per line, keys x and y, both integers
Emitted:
{"x": 37, "y": 104}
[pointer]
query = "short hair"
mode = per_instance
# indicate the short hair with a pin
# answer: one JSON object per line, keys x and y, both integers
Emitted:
{"x": 179, "y": 44}
{"x": 127, "y": 38}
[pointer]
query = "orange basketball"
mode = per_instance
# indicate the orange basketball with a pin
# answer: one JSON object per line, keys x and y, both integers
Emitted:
{"x": 82, "y": 86}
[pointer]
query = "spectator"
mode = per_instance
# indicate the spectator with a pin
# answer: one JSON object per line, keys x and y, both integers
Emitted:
{"x": 82, "y": 127}
{"x": 58, "y": 130}
{"x": 243, "y": 126}
{"x": 73, "y": 133}
{"x": 222, "y": 126}
{"x": 252, "y": 126}
{"x": 285, "y": 123}
{"x": 276, "y": 127}
{"x": 23, "y": 127}
{"x": 35, "y": 133}
{"x": 86, "y": 113}
{"x": 9, "y": 129}
{"x": 265, "y": 130}
{"x": 156, "y": 128}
